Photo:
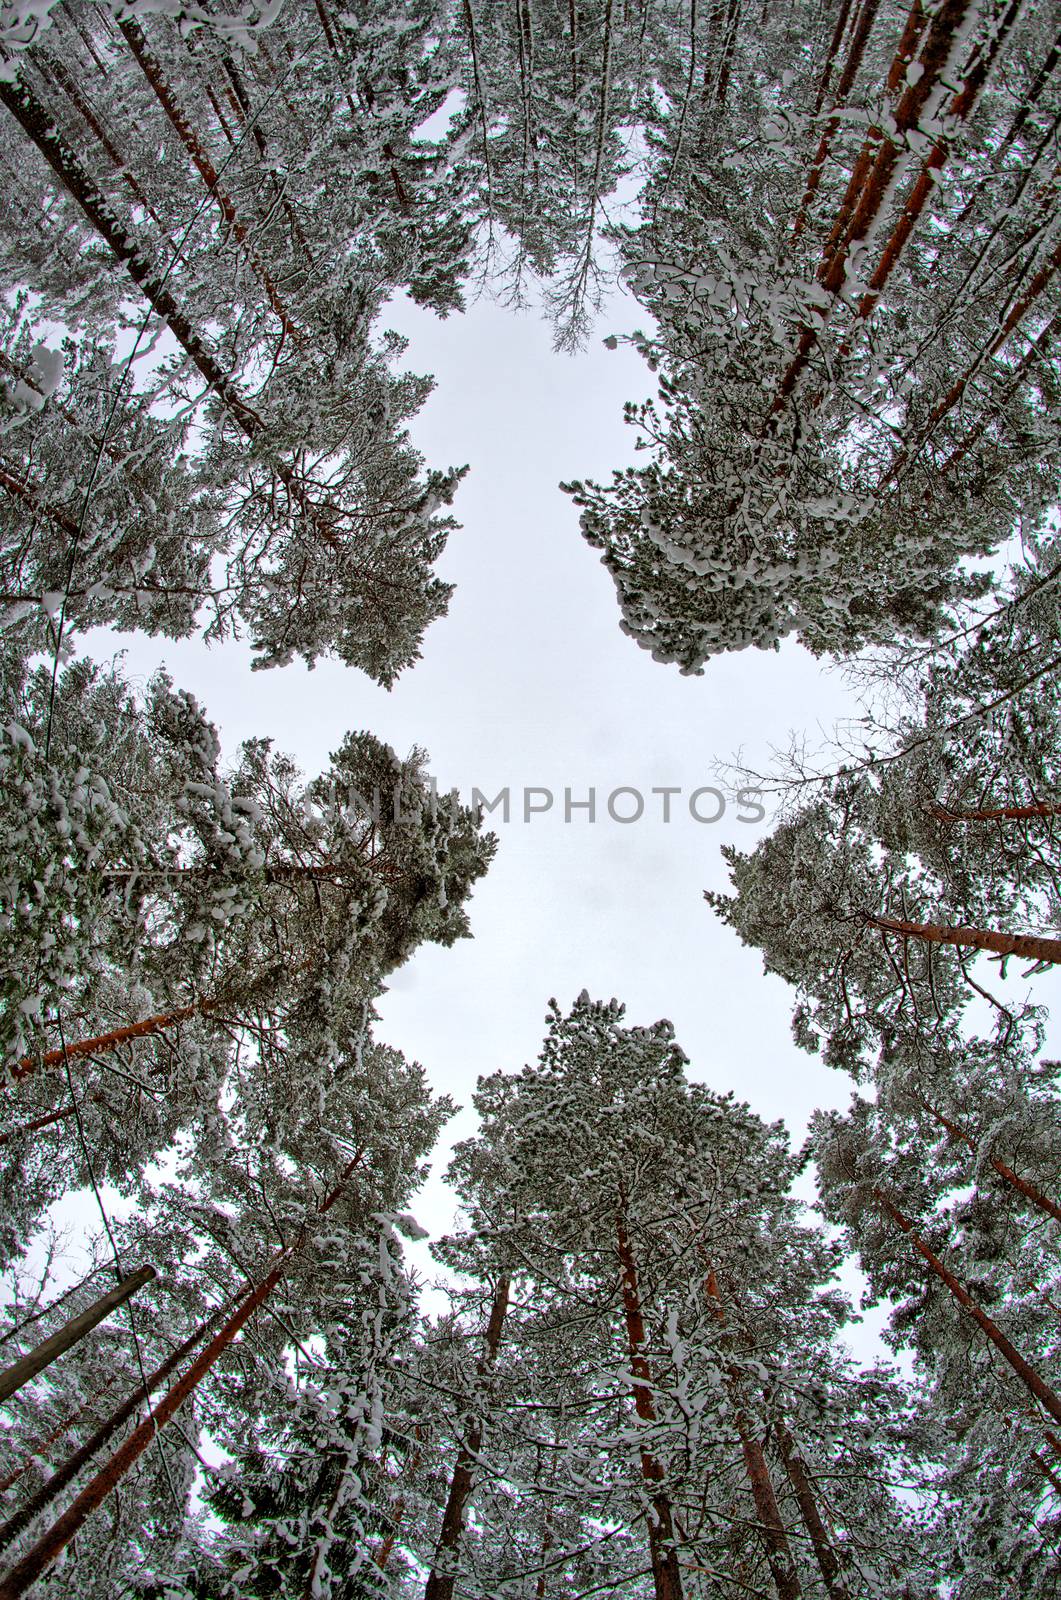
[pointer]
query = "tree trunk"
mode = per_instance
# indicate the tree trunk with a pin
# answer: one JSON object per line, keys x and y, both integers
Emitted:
{"x": 939, "y": 41}
{"x": 102, "y": 1042}
{"x": 152, "y": 69}
{"x": 1050, "y": 1402}
{"x": 799, "y": 1477}
{"x": 771, "y": 1524}
{"x": 857, "y": 48}
{"x": 962, "y": 103}
{"x": 1027, "y": 946}
{"x": 442, "y": 1577}
{"x": 38, "y": 1122}
{"x": 20, "y": 1372}
{"x": 666, "y": 1572}
{"x": 48, "y": 1548}
{"x": 38, "y": 1448}
{"x": 996, "y": 813}
{"x": 35, "y": 122}
{"x": 1022, "y": 1186}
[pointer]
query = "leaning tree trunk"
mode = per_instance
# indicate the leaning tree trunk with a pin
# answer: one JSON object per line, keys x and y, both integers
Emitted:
{"x": 1014, "y": 1179}
{"x": 72, "y": 1466}
{"x": 1047, "y": 1398}
{"x": 152, "y": 69}
{"x": 666, "y": 1572}
{"x": 866, "y": 205}
{"x": 51, "y": 1545}
{"x": 821, "y": 1544}
{"x": 856, "y": 50}
{"x": 14, "y": 1377}
{"x": 38, "y": 1447}
{"x": 442, "y": 1578}
{"x": 771, "y": 1524}
{"x": 37, "y": 1123}
{"x": 1028, "y": 946}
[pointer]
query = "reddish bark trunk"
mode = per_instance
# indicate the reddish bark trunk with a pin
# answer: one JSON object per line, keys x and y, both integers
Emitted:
{"x": 152, "y": 69}
{"x": 864, "y": 209}
{"x": 997, "y": 813}
{"x": 1022, "y": 1185}
{"x": 442, "y": 1578}
{"x": 38, "y": 1122}
{"x": 771, "y": 1525}
{"x": 47, "y": 1549}
{"x": 82, "y": 105}
{"x": 863, "y": 28}
{"x": 896, "y": 76}
{"x": 1042, "y": 1392}
{"x": 110, "y": 1041}
{"x": 33, "y": 1451}
{"x": 666, "y": 1572}
{"x": 1047, "y": 1471}
{"x": 821, "y": 1544}
{"x": 1025, "y": 945}
{"x": 21, "y": 1372}
{"x": 962, "y": 103}
{"x": 19, "y": 490}
{"x": 35, "y": 122}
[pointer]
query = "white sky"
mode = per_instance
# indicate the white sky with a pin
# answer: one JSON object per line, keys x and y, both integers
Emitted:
{"x": 528, "y": 681}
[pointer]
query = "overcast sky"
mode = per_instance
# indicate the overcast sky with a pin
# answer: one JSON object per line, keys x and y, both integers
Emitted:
{"x": 529, "y": 682}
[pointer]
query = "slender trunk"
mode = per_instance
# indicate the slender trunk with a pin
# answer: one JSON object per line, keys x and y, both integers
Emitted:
{"x": 896, "y": 77}
{"x": 48, "y": 1548}
{"x": 666, "y": 1572}
{"x": 383, "y": 1554}
{"x": 104, "y": 1042}
{"x": 1022, "y": 1185}
{"x": 151, "y": 67}
{"x": 933, "y": 57}
{"x": 857, "y": 49}
{"x": 996, "y": 813}
{"x": 38, "y": 126}
{"x": 821, "y": 1544}
{"x": 101, "y": 1043}
{"x": 833, "y": 51}
{"x": 37, "y": 1123}
{"x": 21, "y": 1372}
{"x": 442, "y": 1578}
{"x": 1035, "y": 353}
{"x": 82, "y": 105}
{"x": 39, "y": 1446}
{"x": 1047, "y": 1472}
{"x": 1050, "y": 1402}
{"x": 771, "y": 1525}
{"x": 1004, "y": 944}
{"x": 20, "y": 490}
{"x": 962, "y": 103}
{"x": 1030, "y": 99}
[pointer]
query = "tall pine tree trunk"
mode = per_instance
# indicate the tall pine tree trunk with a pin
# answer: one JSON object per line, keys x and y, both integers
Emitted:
{"x": 51, "y": 1545}
{"x": 856, "y": 50}
{"x": 35, "y": 122}
{"x": 443, "y": 1576}
{"x": 1028, "y": 946}
{"x": 771, "y": 1523}
{"x": 72, "y": 1466}
{"x": 39, "y": 1446}
{"x": 152, "y": 69}
{"x": 1050, "y": 1402}
{"x": 821, "y": 1544}
{"x": 36, "y": 1124}
{"x": 1022, "y": 1185}
{"x": 21, "y": 1372}
{"x": 666, "y": 1573}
